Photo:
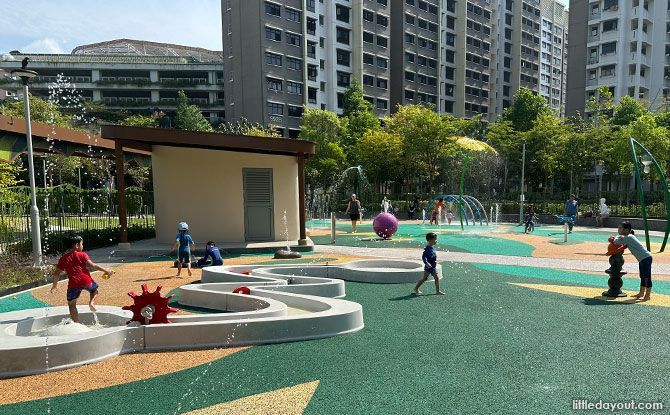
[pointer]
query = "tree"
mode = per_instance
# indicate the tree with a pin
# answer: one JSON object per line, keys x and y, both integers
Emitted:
{"x": 544, "y": 142}
{"x": 360, "y": 118}
{"x": 41, "y": 110}
{"x": 140, "y": 175}
{"x": 9, "y": 173}
{"x": 63, "y": 167}
{"x": 525, "y": 109}
{"x": 425, "y": 136}
{"x": 142, "y": 120}
{"x": 326, "y": 130}
{"x": 189, "y": 116}
{"x": 245, "y": 127}
{"x": 380, "y": 154}
{"x": 627, "y": 111}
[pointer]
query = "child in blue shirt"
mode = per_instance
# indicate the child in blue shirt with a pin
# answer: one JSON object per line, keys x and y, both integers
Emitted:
{"x": 627, "y": 237}
{"x": 429, "y": 259}
{"x": 184, "y": 243}
{"x": 211, "y": 251}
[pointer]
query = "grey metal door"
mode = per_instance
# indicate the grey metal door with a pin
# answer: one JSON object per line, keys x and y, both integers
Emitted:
{"x": 258, "y": 205}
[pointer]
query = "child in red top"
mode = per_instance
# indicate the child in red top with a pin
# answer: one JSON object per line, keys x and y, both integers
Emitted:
{"x": 75, "y": 262}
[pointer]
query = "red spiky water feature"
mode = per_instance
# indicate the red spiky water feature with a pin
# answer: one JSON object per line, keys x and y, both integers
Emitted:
{"x": 150, "y": 307}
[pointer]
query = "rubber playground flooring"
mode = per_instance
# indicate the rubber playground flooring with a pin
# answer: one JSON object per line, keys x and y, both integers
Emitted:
{"x": 488, "y": 346}
{"x": 546, "y": 240}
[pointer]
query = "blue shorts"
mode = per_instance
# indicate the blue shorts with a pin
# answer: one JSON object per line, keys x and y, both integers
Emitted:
{"x": 74, "y": 293}
{"x": 184, "y": 257}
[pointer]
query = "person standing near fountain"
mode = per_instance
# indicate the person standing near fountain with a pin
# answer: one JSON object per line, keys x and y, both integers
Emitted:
{"x": 429, "y": 259}
{"x": 184, "y": 243}
{"x": 437, "y": 211}
{"x": 603, "y": 213}
{"x": 571, "y": 211}
{"x": 354, "y": 211}
{"x": 413, "y": 207}
{"x": 627, "y": 237}
{"x": 75, "y": 263}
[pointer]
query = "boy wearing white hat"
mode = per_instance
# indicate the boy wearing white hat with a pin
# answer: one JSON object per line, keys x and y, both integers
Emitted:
{"x": 184, "y": 243}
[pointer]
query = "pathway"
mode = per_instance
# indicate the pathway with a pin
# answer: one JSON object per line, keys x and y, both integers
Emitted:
{"x": 414, "y": 253}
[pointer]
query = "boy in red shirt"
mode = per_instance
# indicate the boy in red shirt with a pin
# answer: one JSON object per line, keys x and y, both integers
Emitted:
{"x": 75, "y": 262}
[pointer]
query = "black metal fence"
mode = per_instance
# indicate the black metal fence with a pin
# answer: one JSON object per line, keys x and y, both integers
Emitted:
{"x": 65, "y": 210}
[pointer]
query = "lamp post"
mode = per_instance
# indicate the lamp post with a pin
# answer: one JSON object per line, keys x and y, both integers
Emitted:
{"x": 522, "y": 197}
{"x": 26, "y": 75}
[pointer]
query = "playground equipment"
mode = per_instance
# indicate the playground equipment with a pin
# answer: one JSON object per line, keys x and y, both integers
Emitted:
{"x": 615, "y": 282}
{"x": 469, "y": 207}
{"x": 647, "y": 160}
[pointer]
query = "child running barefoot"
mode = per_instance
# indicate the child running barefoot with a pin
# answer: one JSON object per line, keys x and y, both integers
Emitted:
{"x": 627, "y": 237}
{"x": 75, "y": 262}
{"x": 429, "y": 258}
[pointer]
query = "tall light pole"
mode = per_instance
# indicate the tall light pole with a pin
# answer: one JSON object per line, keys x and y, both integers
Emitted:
{"x": 522, "y": 198}
{"x": 26, "y": 75}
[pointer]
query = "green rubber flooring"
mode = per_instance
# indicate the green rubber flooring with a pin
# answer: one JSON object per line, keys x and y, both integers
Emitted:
{"x": 487, "y": 347}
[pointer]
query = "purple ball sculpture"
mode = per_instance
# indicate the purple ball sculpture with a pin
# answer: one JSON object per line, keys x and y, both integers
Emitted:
{"x": 385, "y": 225}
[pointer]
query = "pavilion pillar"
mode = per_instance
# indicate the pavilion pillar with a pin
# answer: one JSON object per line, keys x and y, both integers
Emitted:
{"x": 121, "y": 193}
{"x": 301, "y": 198}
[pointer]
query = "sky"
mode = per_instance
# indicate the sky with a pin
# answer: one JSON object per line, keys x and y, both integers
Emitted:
{"x": 57, "y": 26}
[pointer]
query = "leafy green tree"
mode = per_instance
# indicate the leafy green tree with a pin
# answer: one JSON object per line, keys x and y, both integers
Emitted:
{"x": 41, "y": 110}
{"x": 326, "y": 130}
{"x": 189, "y": 116}
{"x": 245, "y": 127}
{"x": 360, "y": 118}
{"x": 98, "y": 111}
{"x": 627, "y": 111}
{"x": 9, "y": 173}
{"x": 526, "y": 107}
{"x": 62, "y": 167}
{"x": 142, "y": 121}
{"x": 544, "y": 143}
{"x": 380, "y": 154}
{"x": 426, "y": 138}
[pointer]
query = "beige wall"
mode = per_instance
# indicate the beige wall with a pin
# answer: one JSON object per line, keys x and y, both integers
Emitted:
{"x": 204, "y": 188}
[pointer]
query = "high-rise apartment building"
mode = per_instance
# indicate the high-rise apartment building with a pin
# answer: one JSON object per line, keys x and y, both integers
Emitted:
{"x": 619, "y": 44}
{"x": 464, "y": 57}
{"x": 531, "y": 51}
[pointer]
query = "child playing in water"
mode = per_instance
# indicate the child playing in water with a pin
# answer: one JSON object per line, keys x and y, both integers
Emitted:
{"x": 450, "y": 217}
{"x": 75, "y": 263}
{"x": 627, "y": 237}
{"x": 439, "y": 206}
{"x": 429, "y": 258}
{"x": 184, "y": 243}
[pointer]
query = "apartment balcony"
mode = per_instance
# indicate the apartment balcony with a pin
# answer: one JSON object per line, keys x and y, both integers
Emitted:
{"x": 639, "y": 35}
{"x": 641, "y": 12}
{"x": 591, "y": 82}
{"x": 609, "y": 58}
{"x": 593, "y": 60}
{"x": 636, "y": 57}
{"x": 594, "y": 16}
{"x": 613, "y": 11}
{"x": 595, "y": 38}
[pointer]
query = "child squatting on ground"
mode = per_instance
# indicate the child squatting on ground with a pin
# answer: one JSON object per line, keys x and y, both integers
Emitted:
{"x": 429, "y": 258}
{"x": 627, "y": 237}
{"x": 75, "y": 263}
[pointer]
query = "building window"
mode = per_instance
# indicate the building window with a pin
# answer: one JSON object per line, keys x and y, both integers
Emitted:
{"x": 409, "y": 57}
{"x": 449, "y": 55}
{"x": 382, "y": 104}
{"x": 409, "y": 76}
{"x": 342, "y": 35}
{"x": 272, "y": 59}
{"x": 294, "y": 111}
{"x": 340, "y": 100}
{"x": 409, "y": 38}
{"x": 409, "y": 94}
{"x": 610, "y": 25}
{"x": 275, "y": 108}
{"x": 311, "y": 49}
{"x": 449, "y": 73}
{"x": 608, "y": 48}
{"x": 368, "y": 59}
{"x": 342, "y": 13}
{"x": 272, "y": 9}
{"x": 382, "y": 62}
{"x": 343, "y": 79}
{"x": 312, "y": 72}
{"x": 368, "y": 80}
{"x": 311, "y": 26}
{"x": 382, "y": 41}
{"x": 311, "y": 95}
{"x": 409, "y": 19}
{"x": 274, "y": 84}
{"x": 382, "y": 83}
{"x": 292, "y": 133}
{"x": 294, "y": 63}
{"x": 383, "y": 2}
{"x": 368, "y": 37}
{"x": 293, "y": 87}
{"x": 273, "y": 34}
{"x": 293, "y": 39}
{"x": 293, "y": 15}
{"x": 382, "y": 20}
{"x": 311, "y": 5}
{"x": 607, "y": 70}
{"x": 368, "y": 16}
{"x": 343, "y": 57}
